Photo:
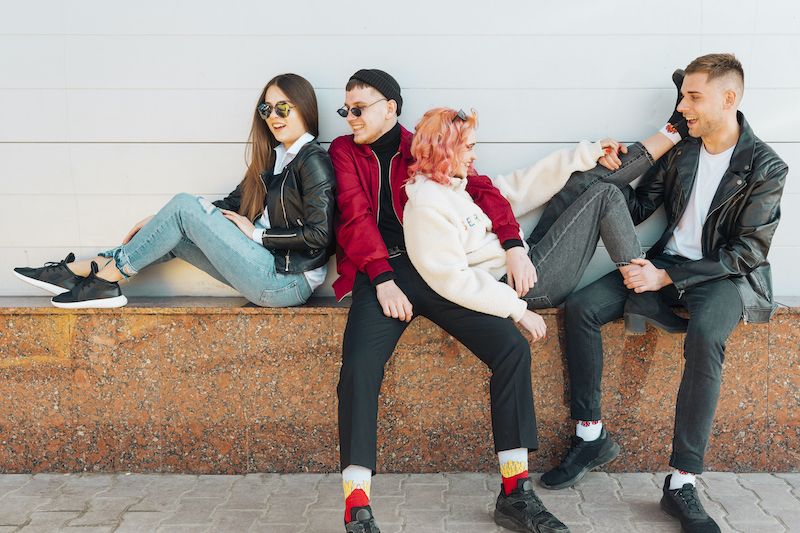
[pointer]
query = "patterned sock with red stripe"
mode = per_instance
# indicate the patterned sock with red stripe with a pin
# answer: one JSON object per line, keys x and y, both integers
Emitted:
{"x": 513, "y": 467}
{"x": 356, "y": 481}
{"x": 588, "y": 430}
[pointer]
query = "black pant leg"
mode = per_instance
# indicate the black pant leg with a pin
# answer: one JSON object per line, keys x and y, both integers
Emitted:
{"x": 500, "y": 345}
{"x": 369, "y": 340}
{"x": 585, "y": 311}
{"x": 714, "y": 308}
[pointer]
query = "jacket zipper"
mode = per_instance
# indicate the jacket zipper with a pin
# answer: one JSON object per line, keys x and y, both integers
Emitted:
{"x": 285, "y": 218}
{"x": 728, "y": 199}
{"x": 378, "y": 210}
{"x": 391, "y": 192}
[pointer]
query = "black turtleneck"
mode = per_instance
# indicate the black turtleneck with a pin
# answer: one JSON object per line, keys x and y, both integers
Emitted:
{"x": 385, "y": 148}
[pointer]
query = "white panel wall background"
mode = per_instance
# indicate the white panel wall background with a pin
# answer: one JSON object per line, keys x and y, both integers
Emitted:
{"x": 109, "y": 108}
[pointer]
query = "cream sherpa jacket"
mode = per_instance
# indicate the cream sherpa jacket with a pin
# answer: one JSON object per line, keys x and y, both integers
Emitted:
{"x": 450, "y": 240}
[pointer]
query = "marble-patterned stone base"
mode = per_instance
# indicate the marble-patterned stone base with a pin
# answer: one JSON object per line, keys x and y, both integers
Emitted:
{"x": 212, "y": 386}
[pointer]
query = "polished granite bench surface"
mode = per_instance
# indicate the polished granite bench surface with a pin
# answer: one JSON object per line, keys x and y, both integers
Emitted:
{"x": 213, "y": 385}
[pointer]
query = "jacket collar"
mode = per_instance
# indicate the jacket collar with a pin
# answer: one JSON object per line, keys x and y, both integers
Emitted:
{"x": 738, "y": 171}
{"x": 405, "y": 145}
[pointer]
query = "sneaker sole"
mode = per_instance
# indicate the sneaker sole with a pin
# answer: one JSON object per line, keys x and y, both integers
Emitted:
{"x": 609, "y": 456}
{"x": 509, "y": 523}
{"x": 49, "y": 287}
{"x": 103, "y": 303}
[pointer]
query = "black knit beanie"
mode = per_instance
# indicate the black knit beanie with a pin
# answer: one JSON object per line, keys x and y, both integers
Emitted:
{"x": 381, "y": 82}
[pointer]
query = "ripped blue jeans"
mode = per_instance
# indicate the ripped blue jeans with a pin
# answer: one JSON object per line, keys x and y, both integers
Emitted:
{"x": 191, "y": 228}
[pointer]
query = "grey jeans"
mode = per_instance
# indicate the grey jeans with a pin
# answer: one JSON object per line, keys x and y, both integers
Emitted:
{"x": 588, "y": 208}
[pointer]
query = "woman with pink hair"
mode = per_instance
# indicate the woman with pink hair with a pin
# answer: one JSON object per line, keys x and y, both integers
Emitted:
{"x": 450, "y": 243}
{"x": 450, "y": 240}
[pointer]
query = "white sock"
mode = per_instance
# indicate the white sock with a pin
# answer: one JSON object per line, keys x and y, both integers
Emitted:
{"x": 356, "y": 477}
{"x": 679, "y": 477}
{"x": 515, "y": 456}
{"x": 589, "y": 430}
{"x": 670, "y": 133}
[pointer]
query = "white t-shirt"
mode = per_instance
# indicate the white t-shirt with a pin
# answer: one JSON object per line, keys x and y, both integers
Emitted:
{"x": 687, "y": 237}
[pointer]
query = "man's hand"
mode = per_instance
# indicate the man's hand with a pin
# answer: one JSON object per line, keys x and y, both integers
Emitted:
{"x": 643, "y": 276}
{"x": 534, "y": 323}
{"x": 393, "y": 301}
{"x": 241, "y": 222}
{"x": 611, "y": 159}
{"x": 521, "y": 272}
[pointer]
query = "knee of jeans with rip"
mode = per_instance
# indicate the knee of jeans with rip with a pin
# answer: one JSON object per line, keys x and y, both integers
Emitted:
{"x": 207, "y": 206}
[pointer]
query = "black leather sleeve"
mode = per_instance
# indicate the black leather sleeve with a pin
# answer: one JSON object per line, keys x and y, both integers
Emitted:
{"x": 314, "y": 229}
{"x": 233, "y": 201}
{"x": 649, "y": 195}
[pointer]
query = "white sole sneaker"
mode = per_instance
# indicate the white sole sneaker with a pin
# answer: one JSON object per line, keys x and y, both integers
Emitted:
{"x": 49, "y": 287}
{"x": 103, "y": 303}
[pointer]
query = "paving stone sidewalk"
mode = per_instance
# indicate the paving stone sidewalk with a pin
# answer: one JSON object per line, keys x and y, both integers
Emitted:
{"x": 419, "y": 503}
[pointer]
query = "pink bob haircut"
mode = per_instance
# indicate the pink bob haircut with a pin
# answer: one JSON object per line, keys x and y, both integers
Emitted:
{"x": 439, "y": 141}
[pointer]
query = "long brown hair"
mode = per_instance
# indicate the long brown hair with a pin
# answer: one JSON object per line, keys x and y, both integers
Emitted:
{"x": 260, "y": 152}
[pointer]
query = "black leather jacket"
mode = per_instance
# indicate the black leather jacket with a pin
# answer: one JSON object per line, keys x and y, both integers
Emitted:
{"x": 741, "y": 220}
{"x": 300, "y": 204}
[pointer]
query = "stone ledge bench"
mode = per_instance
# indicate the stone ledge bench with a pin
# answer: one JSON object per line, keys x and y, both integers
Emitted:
{"x": 209, "y": 385}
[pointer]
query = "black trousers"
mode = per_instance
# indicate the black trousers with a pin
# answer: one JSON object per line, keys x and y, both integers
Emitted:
{"x": 370, "y": 339}
{"x": 714, "y": 310}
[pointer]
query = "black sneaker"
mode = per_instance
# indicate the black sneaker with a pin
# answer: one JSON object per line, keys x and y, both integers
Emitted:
{"x": 684, "y": 504}
{"x": 676, "y": 121}
{"x": 649, "y": 308}
{"x": 582, "y": 457}
{"x": 91, "y": 292}
{"x": 54, "y": 277}
{"x": 363, "y": 521}
{"x": 522, "y": 510}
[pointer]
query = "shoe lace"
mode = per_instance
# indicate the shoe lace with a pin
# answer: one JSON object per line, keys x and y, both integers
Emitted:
{"x": 574, "y": 450}
{"x": 689, "y": 496}
{"x": 53, "y": 264}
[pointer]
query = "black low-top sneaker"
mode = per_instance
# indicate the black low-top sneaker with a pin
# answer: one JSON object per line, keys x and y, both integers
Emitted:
{"x": 522, "y": 510}
{"x": 582, "y": 457}
{"x": 54, "y": 277}
{"x": 91, "y": 292}
{"x": 363, "y": 521}
{"x": 650, "y": 308}
{"x": 684, "y": 504}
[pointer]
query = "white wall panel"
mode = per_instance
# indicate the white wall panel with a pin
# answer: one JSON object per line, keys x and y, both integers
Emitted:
{"x": 107, "y": 108}
{"x": 352, "y": 17}
{"x": 31, "y": 115}
{"x": 32, "y": 62}
{"x": 31, "y": 16}
{"x": 492, "y": 61}
{"x": 512, "y": 115}
{"x": 788, "y": 232}
{"x": 147, "y": 168}
{"x": 34, "y": 169}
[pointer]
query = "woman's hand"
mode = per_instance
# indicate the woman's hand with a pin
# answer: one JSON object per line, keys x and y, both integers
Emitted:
{"x": 243, "y": 223}
{"x": 521, "y": 272}
{"x": 611, "y": 159}
{"x": 135, "y": 229}
{"x": 534, "y": 323}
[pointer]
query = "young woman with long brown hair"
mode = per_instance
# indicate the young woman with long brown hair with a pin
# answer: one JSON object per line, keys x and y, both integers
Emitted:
{"x": 270, "y": 239}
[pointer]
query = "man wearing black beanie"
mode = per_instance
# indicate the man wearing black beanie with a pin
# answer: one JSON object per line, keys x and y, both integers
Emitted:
{"x": 371, "y": 167}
